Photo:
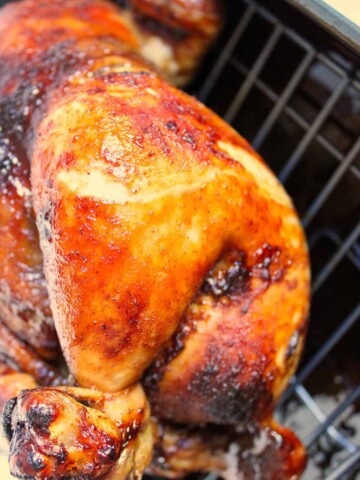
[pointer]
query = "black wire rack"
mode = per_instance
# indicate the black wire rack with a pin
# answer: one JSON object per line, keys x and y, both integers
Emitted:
{"x": 293, "y": 90}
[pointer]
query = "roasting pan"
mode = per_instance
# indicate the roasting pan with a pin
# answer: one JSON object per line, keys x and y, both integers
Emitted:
{"x": 286, "y": 75}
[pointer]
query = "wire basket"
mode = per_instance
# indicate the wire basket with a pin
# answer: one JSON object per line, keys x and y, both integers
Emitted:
{"x": 293, "y": 90}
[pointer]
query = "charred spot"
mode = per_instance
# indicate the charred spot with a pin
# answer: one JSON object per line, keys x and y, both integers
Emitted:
{"x": 153, "y": 375}
{"x": 123, "y": 3}
{"x": 14, "y": 164}
{"x": 156, "y": 371}
{"x": 172, "y": 126}
{"x": 26, "y": 92}
{"x": 268, "y": 264}
{"x": 229, "y": 276}
{"x": 189, "y": 138}
{"x": 130, "y": 79}
{"x": 13, "y": 114}
{"x": 132, "y": 305}
{"x": 40, "y": 416}
{"x": 45, "y": 218}
{"x": 36, "y": 462}
{"x": 95, "y": 90}
{"x": 108, "y": 452}
{"x": 61, "y": 455}
{"x": 169, "y": 33}
{"x": 7, "y": 418}
{"x": 155, "y": 134}
{"x": 228, "y": 398}
{"x": 106, "y": 449}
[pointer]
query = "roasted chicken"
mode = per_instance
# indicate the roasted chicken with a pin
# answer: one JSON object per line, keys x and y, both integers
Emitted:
{"x": 172, "y": 255}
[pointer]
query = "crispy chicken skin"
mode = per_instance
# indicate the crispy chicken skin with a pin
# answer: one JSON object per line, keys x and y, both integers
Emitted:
{"x": 37, "y": 29}
{"x": 175, "y": 33}
{"x": 54, "y": 435}
{"x": 139, "y": 191}
{"x": 172, "y": 255}
{"x": 25, "y": 360}
{"x": 24, "y": 303}
{"x": 11, "y": 384}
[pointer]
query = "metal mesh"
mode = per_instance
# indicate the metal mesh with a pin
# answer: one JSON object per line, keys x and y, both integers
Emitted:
{"x": 298, "y": 102}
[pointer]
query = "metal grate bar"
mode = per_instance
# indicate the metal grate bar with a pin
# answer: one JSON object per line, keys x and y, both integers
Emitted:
{"x": 315, "y": 434}
{"x": 212, "y": 476}
{"x": 345, "y": 467}
{"x": 310, "y": 134}
{"x": 335, "y": 238}
{"x": 313, "y": 407}
{"x": 291, "y": 113}
{"x": 253, "y": 73}
{"x": 282, "y": 100}
{"x": 269, "y": 17}
{"x": 322, "y": 353}
{"x": 338, "y": 70}
{"x": 226, "y": 53}
{"x": 331, "y": 265}
{"x": 329, "y": 187}
{"x": 319, "y": 138}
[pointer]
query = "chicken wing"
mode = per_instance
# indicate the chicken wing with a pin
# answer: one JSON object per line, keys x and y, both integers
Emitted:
{"x": 54, "y": 435}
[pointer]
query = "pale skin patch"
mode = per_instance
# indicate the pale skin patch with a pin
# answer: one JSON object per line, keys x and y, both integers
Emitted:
{"x": 265, "y": 179}
{"x": 112, "y": 149}
{"x": 159, "y": 53}
{"x": 151, "y": 91}
{"x": 99, "y": 186}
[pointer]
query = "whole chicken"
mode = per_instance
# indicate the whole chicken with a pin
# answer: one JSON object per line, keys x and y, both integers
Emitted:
{"x": 172, "y": 256}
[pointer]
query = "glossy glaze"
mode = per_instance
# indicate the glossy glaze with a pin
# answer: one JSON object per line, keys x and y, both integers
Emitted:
{"x": 139, "y": 190}
{"x": 172, "y": 255}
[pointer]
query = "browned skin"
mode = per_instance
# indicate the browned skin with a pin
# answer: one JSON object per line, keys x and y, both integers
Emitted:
{"x": 57, "y": 436}
{"x": 11, "y": 384}
{"x": 26, "y": 360}
{"x": 212, "y": 370}
{"x": 166, "y": 239}
{"x": 54, "y": 435}
{"x": 161, "y": 222}
{"x": 265, "y": 452}
{"x": 62, "y": 437}
{"x": 185, "y": 27}
{"x": 24, "y": 303}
